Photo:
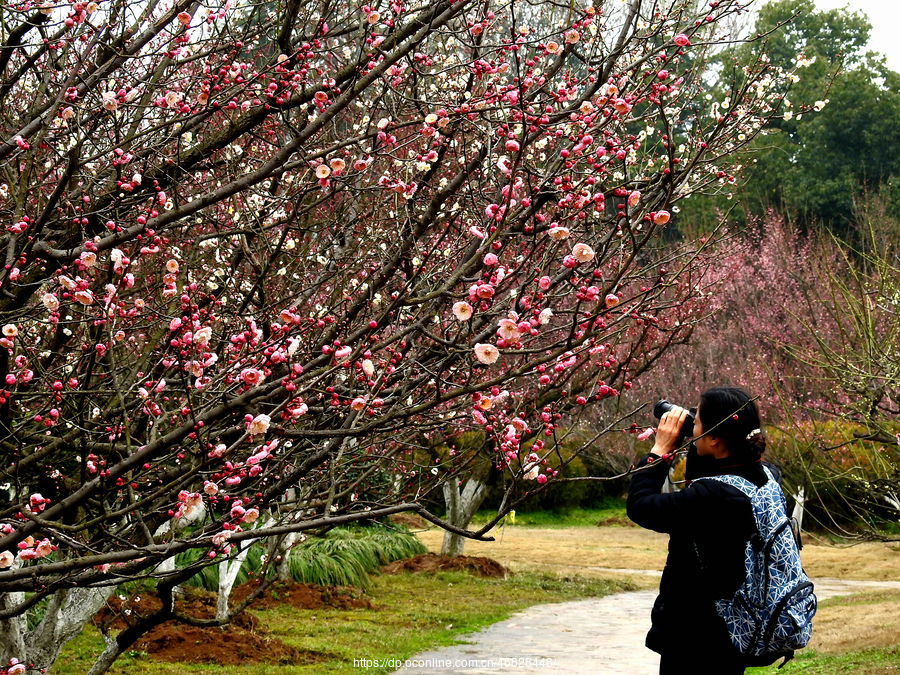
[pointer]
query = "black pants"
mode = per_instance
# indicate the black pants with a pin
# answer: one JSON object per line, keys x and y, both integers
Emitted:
{"x": 678, "y": 664}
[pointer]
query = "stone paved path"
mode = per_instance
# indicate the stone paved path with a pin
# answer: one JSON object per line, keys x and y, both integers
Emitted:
{"x": 600, "y": 636}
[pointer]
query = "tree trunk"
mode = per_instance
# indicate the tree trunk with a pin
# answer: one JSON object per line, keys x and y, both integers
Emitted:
{"x": 461, "y": 506}
{"x": 67, "y": 613}
{"x": 228, "y": 572}
{"x": 283, "y": 552}
{"x": 799, "y": 501}
{"x": 12, "y": 631}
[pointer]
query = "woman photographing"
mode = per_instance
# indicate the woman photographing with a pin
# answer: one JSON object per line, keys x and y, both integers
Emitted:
{"x": 710, "y": 523}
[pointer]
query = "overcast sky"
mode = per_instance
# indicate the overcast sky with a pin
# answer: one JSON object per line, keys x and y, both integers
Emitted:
{"x": 884, "y": 15}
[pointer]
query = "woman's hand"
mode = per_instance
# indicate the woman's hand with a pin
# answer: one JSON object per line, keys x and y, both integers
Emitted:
{"x": 667, "y": 433}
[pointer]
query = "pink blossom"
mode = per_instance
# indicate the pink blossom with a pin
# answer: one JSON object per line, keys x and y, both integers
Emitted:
{"x": 85, "y": 297}
{"x": 252, "y": 376}
{"x": 544, "y": 283}
{"x": 15, "y": 668}
{"x": 184, "y": 18}
{"x": 462, "y": 311}
{"x": 583, "y": 253}
{"x": 558, "y": 232}
{"x": 10, "y": 330}
{"x": 622, "y": 106}
{"x": 6, "y": 559}
{"x": 203, "y": 336}
{"x": 172, "y": 98}
{"x": 661, "y": 218}
{"x": 343, "y": 352}
{"x": 88, "y": 258}
{"x": 172, "y": 266}
{"x": 490, "y": 260}
{"x": 552, "y": 47}
{"x": 486, "y": 353}
{"x": 36, "y": 502}
{"x": 634, "y": 198}
{"x": 175, "y": 324}
{"x": 545, "y": 316}
{"x": 368, "y": 367}
{"x": 485, "y": 291}
{"x": 542, "y": 479}
{"x": 66, "y": 282}
{"x": 682, "y": 40}
{"x": 512, "y": 145}
{"x": 109, "y": 101}
{"x": 359, "y": 403}
{"x": 475, "y": 232}
{"x": 50, "y": 301}
{"x": 237, "y": 511}
{"x": 612, "y": 300}
{"x": 508, "y": 330}
{"x": 259, "y": 425}
{"x": 572, "y": 37}
{"x": 210, "y": 488}
{"x": 322, "y": 172}
{"x": 251, "y": 515}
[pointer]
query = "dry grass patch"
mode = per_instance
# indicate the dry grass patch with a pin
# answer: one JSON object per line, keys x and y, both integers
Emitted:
{"x": 868, "y": 561}
{"x": 576, "y": 549}
{"x": 586, "y": 550}
{"x": 854, "y": 622}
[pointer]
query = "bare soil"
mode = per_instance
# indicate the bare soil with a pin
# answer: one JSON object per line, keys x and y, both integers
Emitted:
{"x": 243, "y": 641}
{"x": 430, "y": 562}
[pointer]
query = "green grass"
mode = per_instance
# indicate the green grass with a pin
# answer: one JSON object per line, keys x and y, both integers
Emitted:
{"x": 345, "y": 556}
{"x": 884, "y": 661}
{"x": 611, "y": 512}
{"x": 414, "y": 613}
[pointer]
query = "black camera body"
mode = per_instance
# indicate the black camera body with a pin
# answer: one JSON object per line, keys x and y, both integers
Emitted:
{"x": 687, "y": 429}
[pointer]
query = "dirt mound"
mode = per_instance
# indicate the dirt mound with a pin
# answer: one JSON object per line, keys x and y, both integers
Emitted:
{"x": 303, "y": 596}
{"x": 243, "y": 641}
{"x": 230, "y": 645}
{"x": 616, "y": 521}
{"x": 411, "y": 520}
{"x": 430, "y": 562}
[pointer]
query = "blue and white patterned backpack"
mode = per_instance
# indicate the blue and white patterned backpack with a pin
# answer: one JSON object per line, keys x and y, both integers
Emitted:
{"x": 771, "y": 613}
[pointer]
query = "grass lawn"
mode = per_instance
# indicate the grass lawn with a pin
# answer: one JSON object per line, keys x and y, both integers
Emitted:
{"x": 414, "y": 612}
{"x": 857, "y": 634}
{"x": 884, "y": 661}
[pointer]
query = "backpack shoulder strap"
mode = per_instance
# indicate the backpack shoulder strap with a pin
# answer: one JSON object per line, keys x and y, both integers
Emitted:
{"x": 741, "y": 484}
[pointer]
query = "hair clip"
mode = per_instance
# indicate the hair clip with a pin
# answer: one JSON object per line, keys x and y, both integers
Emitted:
{"x": 753, "y": 433}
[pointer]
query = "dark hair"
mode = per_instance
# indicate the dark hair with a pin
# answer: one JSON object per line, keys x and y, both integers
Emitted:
{"x": 731, "y": 414}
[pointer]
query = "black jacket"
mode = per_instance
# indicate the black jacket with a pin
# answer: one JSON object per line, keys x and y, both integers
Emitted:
{"x": 709, "y": 524}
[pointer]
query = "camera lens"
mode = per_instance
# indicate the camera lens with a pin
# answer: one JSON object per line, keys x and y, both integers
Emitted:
{"x": 661, "y": 408}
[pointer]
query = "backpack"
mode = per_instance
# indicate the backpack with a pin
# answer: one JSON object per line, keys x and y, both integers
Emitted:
{"x": 771, "y": 613}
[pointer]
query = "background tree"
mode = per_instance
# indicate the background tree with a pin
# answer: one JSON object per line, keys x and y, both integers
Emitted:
{"x": 841, "y": 125}
{"x": 254, "y": 253}
{"x": 809, "y": 324}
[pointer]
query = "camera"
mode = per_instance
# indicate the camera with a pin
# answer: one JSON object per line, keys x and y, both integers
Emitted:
{"x": 687, "y": 429}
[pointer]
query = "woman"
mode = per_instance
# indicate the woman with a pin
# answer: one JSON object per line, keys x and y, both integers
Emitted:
{"x": 709, "y": 524}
